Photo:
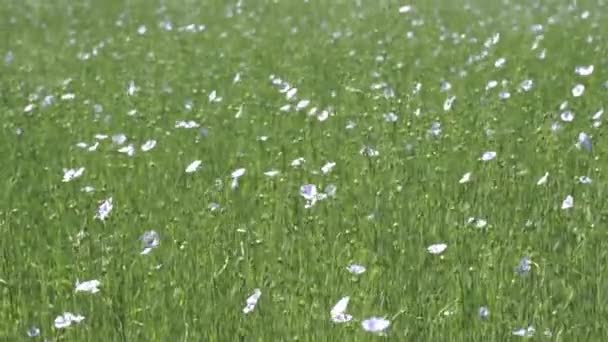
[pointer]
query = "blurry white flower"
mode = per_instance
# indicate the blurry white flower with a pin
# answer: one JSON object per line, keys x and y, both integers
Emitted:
{"x": 584, "y": 141}
{"x": 567, "y": 116}
{"x": 405, "y": 9}
{"x": 119, "y": 139}
{"x": 328, "y": 167}
{"x": 500, "y": 63}
{"x": 148, "y": 145}
{"x": 291, "y": 93}
{"x": 524, "y": 332}
{"x": 104, "y": 209}
{"x": 131, "y": 88}
{"x": 71, "y": 174}
{"x": 375, "y": 324}
{"x": 390, "y": 117}
{"x": 584, "y": 180}
{"x": 128, "y": 150}
{"x": 491, "y": 84}
{"x": 66, "y": 319}
{"x": 302, "y": 104}
{"x": 524, "y": 267}
{"x": 447, "y": 105}
{"x": 437, "y": 248}
{"x": 568, "y": 202}
{"x": 338, "y": 312}
{"x": 150, "y": 240}
{"x": 298, "y": 162}
{"x": 369, "y": 151}
{"x": 578, "y": 90}
{"x": 238, "y": 173}
{"x": 194, "y": 166}
{"x": 526, "y": 85}
{"x": 356, "y": 269}
{"x": 252, "y": 301}
{"x": 543, "y": 179}
{"x": 487, "y": 156}
{"x": 484, "y": 312}
{"x": 584, "y": 70}
{"x": 90, "y": 286}
{"x": 271, "y": 173}
{"x": 33, "y": 332}
{"x": 465, "y": 178}
{"x": 186, "y": 124}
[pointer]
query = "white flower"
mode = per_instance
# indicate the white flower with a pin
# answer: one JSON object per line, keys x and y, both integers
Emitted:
{"x": 465, "y": 178}
{"x": 437, "y": 248}
{"x": 356, "y": 269}
{"x": 186, "y": 124}
{"x": 390, "y": 117}
{"x": 578, "y": 90}
{"x": 543, "y": 179}
{"x": 252, "y": 301}
{"x": 148, "y": 145}
{"x": 128, "y": 150}
{"x": 71, "y": 174}
{"x": 405, "y": 9}
{"x": 584, "y": 70}
{"x": 375, "y": 324}
{"x": 302, "y": 104}
{"x": 193, "y": 166}
{"x": 119, "y": 139}
{"x": 271, "y": 173}
{"x": 568, "y": 202}
{"x": 238, "y": 173}
{"x": 584, "y": 141}
{"x": 584, "y": 180}
{"x": 487, "y": 156}
{"x": 66, "y": 319}
{"x": 447, "y": 105}
{"x": 338, "y": 314}
{"x": 150, "y": 240}
{"x": 104, "y": 209}
{"x": 298, "y": 162}
{"x": 90, "y": 286}
{"x": 328, "y": 167}
{"x": 524, "y": 332}
{"x": 567, "y": 116}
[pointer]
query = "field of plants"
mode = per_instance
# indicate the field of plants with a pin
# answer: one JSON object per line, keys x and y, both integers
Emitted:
{"x": 303, "y": 170}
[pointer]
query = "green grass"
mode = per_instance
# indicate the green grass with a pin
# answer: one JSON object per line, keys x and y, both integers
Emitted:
{"x": 387, "y": 209}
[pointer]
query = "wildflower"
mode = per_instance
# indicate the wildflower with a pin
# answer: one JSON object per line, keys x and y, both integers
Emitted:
{"x": 487, "y": 156}
{"x": 465, "y": 178}
{"x": 484, "y": 312}
{"x": 356, "y": 269}
{"x": 252, "y": 301}
{"x": 338, "y": 314}
{"x": 66, "y": 319}
{"x": 524, "y": 267}
{"x": 328, "y": 167}
{"x": 150, "y": 240}
{"x": 437, "y": 248}
{"x": 148, "y": 145}
{"x": 71, "y": 174}
{"x": 194, "y": 166}
{"x": 568, "y": 202}
{"x": 375, "y": 324}
{"x": 90, "y": 286}
{"x": 104, "y": 209}
{"x": 524, "y": 332}
{"x": 578, "y": 90}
